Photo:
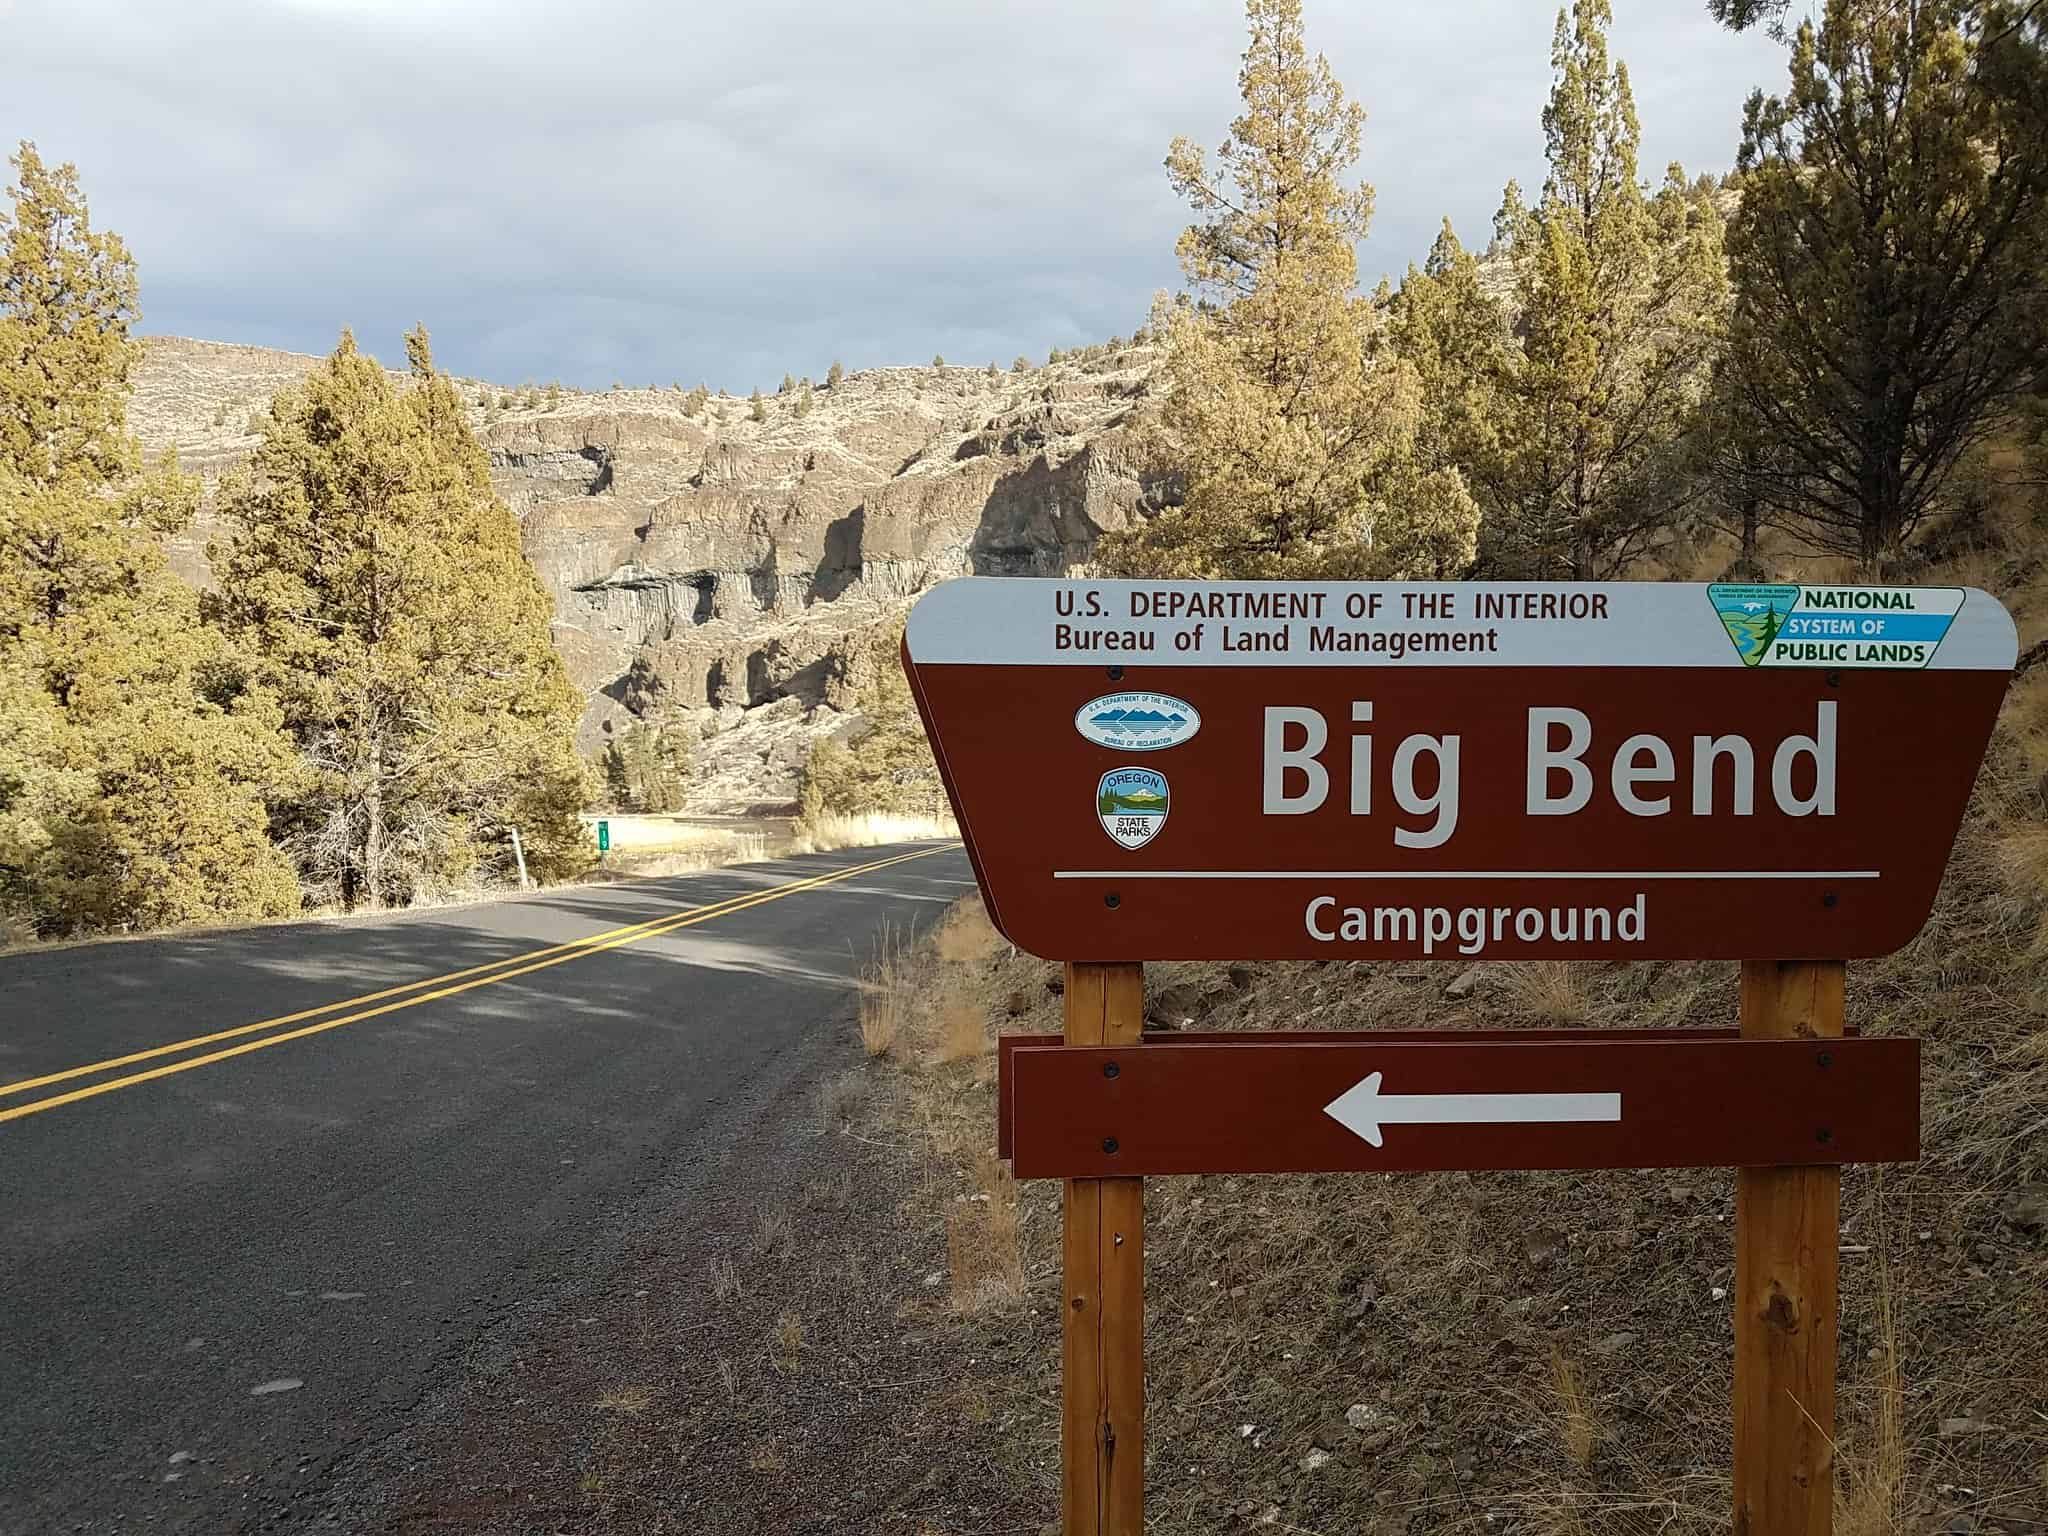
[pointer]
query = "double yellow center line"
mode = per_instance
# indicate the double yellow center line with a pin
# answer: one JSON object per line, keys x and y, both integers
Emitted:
{"x": 426, "y": 990}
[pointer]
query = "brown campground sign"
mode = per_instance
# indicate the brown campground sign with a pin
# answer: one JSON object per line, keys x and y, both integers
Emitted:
{"x": 1469, "y": 771}
{"x": 1476, "y": 771}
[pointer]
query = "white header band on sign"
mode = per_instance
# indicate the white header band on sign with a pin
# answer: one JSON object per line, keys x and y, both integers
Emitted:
{"x": 1023, "y": 621}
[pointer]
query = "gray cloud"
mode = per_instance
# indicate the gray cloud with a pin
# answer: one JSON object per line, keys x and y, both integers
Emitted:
{"x": 647, "y": 191}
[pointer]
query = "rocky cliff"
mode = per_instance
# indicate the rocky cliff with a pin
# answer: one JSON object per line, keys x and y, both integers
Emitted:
{"x": 730, "y": 570}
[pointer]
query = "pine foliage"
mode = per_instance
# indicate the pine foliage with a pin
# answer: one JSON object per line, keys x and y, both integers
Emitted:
{"x": 381, "y": 583}
{"x": 885, "y": 765}
{"x": 1294, "y": 430}
{"x": 1891, "y": 256}
{"x": 1622, "y": 297}
{"x": 139, "y": 763}
{"x": 646, "y": 768}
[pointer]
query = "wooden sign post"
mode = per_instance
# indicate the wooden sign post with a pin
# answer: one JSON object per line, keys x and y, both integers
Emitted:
{"x": 1787, "y": 1249}
{"x": 1337, "y": 771}
{"x": 1102, "y": 1419}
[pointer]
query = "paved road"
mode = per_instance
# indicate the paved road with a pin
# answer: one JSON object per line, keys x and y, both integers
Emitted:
{"x": 305, "y": 1169}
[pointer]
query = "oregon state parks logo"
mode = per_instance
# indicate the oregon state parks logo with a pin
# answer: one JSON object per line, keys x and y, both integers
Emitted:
{"x": 1138, "y": 722}
{"x": 1132, "y": 804}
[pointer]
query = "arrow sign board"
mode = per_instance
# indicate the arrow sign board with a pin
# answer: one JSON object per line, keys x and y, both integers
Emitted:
{"x": 1008, "y": 1045}
{"x": 1357, "y": 1102}
{"x": 1457, "y": 771}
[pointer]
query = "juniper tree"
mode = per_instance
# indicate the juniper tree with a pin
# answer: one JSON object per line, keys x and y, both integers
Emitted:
{"x": 1294, "y": 435}
{"x": 1622, "y": 299}
{"x": 1446, "y": 327}
{"x": 648, "y": 764}
{"x": 137, "y": 762}
{"x": 1889, "y": 259}
{"x": 379, "y": 580}
{"x": 757, "y": 408}
{"x": 834, "y": 374}
{"x": 885, "y": 764}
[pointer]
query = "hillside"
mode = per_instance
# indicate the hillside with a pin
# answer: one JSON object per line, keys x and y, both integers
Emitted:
{"x": 727, "y": 569}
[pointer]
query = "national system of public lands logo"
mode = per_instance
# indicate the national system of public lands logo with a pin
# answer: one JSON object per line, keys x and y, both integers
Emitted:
{"x": 1791, "y": 626}
{"x": 1132, "y": 803}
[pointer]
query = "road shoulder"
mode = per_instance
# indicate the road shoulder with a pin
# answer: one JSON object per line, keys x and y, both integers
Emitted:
{"x": 769, "y": 1351}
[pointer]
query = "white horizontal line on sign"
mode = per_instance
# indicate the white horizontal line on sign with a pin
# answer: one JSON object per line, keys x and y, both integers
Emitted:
{"x": 1466, "y": 874}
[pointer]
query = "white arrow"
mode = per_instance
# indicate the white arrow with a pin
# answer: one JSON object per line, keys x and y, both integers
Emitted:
{"x": 1362, "y": 1109}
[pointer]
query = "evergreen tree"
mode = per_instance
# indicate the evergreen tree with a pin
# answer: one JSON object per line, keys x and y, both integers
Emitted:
{"x": 938, "y": 361}
{"x": 137, "y": 763}
{"x": 834, "y": 374}
{"x": 1741, "y": 15}
{"x": 618, "y": 783}
{"x": 653, "y": 757}
{"x": 1888, "y": 259}
{"x": 381, "y": 583}
{"x": 805, "y": 399}
{"x": 1445, "y": 326}
{"x": 1295, "y": 438}
{"x": 757, "y": 408}
{"x": 885, "y": 765}
{"x": 1742, "y": 465}
{"x": 787, "y": 385}
{"x": 1623, "y": 302}
{"x": 1021, "y": 365}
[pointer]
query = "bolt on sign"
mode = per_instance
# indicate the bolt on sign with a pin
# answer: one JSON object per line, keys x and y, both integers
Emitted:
{"x": 1464, "y": 772}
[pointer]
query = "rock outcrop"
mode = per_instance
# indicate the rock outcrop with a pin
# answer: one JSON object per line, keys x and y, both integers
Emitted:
{"x": 734, "y": 571}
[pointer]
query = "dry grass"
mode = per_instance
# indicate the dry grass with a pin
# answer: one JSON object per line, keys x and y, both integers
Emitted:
{"x": 775, "y": 1237}
{"x": 885, "y": 994}
{"x": 626, "y": 1400}
{"x": 870, "y": 831}
{"x": 660, "y": 864}
{"x": 881, "y": 1021}
{"x": 1578, "y": 1429}
{"x": 653, "y": 847}
{"x": 789, "y": 1340}
{"x": 966, "y": 937}
{"x": 1549, "y": 990}
{"x": 1871, "y": 1475}
{"x": 962, "y": 1035}
{"x": 725, "y": 1278}
{"x": 841, "y": 1097}
{"x": 984, "y": 1247}
{"x": 940, "y": 996}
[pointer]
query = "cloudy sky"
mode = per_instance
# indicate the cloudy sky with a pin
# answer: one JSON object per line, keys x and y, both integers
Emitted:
{"x": 649, "y": 190}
